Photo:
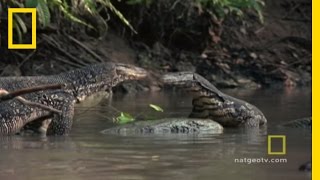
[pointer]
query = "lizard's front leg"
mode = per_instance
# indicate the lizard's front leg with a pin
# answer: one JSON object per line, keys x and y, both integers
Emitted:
{"x": 59, "y": 124}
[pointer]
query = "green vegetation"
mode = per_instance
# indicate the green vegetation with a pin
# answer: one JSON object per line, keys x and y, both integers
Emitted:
{"x": 156, "y": 107}
{"x": 222, "y": 8}
{"x": 73, "y": 10}
{"x": 125, "y": 118}
{"x": 70, "y": 9}
{"x": 219, "y": 8}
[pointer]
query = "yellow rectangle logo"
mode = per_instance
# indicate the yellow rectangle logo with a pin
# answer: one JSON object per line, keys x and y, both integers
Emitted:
{"x": 283, "y": 151}
{"x": 33, "y": 12}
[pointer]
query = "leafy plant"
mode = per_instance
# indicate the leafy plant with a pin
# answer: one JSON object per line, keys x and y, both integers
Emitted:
{"x": 108, "y": 4}
{"x": 69, "y": 8}
{"x": 43, "y": 11}
{"x": 224, "y": 7}
{"x": 219, "y": 8}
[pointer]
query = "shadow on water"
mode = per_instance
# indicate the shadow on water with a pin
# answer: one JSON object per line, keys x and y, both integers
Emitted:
{"x": 87, "y": 154}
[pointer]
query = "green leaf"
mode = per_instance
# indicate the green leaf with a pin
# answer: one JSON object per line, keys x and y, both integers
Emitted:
{"x": 43, "y": 12}
{"x": 257, "y": 6}
{"x": 20, "y": 23}
{"x": 108, "y": 4}
{"x": 155, "y": 107}
{"x": 20, "y": 5}
{"x": 69, "y": 14}
{"x": 31, "y": 3}
{"x": 124, "y": 118}
{"x": 18, "y": 30}
{"x": 90, "y": 6}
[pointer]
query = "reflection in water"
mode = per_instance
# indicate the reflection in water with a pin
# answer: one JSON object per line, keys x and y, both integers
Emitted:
{"x": 87, "y": 154}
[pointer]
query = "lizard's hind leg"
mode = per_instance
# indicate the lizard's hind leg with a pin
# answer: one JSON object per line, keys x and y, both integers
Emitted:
{"x": 38, "y": 126}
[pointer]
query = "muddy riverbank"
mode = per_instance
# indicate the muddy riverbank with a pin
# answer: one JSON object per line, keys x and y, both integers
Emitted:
{"x": 234, "y": 53}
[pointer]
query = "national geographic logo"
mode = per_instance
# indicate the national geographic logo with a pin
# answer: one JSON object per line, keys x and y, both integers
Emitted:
{"x": 12, "y": 24}
{"x": 277, "y": 145}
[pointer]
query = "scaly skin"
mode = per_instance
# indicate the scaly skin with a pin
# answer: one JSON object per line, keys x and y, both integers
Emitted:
{"x": 79, "y": 84}
{"x": 209, "y": 102}
{"x": 168, "y": 126}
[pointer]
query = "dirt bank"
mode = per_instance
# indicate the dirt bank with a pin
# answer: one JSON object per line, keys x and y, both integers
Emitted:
{"x": 232, "y": 53}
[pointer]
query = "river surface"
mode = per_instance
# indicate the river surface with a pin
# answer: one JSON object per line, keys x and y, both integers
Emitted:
{"x": 87, "y": 154}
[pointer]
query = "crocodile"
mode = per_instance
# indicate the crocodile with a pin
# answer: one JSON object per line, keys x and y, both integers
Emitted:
{"x": 210, "y": 103}
{"x": 78, "y": 84}
{"x": 167, "y": 126}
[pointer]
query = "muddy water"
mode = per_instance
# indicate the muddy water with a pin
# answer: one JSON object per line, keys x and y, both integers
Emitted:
{"x": 87, "y": 154}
